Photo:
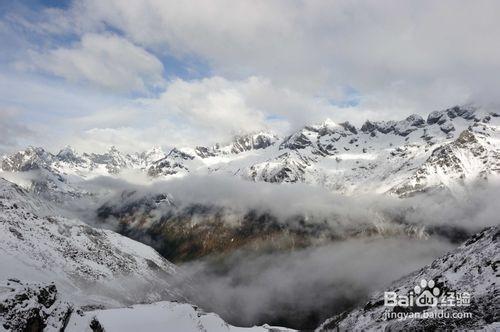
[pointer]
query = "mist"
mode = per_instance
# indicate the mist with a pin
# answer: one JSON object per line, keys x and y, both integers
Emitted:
{"x": 472, "y": 211}
{"x": 300, "y": 289}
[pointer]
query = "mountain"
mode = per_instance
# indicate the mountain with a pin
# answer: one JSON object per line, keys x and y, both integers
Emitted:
{"x": 451, "y": 147}
{"x": 384, "y": 156}
{"x": 449, "y": 151}
{"x": 470, "y": 272}
{"x": 185, "y": 233}
{"x": 84, "y": 262}
{"x": 60, "y": 274}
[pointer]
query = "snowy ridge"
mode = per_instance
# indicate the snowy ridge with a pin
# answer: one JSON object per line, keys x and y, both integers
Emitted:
{"x": 95, "y": 266}
{"x": 160, "y": 316}
{"x": 38, "y": 307}
{"x": 472, "y": 156}
{"x": 385, "y": 156}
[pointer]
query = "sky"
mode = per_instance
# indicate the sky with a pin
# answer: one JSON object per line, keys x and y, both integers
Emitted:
{"x": 138, "y": 73}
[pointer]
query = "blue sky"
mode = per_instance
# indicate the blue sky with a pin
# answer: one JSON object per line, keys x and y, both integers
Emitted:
{"x": 136, "y": 73}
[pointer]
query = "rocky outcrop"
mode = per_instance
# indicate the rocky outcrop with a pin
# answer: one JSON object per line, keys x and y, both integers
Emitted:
{"x": 288, "y": 167}
{"x": 32, "y": 307}
{"x": 239, "y": 144}
{"x": 401, "y": 128}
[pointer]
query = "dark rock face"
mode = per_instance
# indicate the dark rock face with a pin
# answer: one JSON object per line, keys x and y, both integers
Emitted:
{"x": 368, "y": 127}
{"x": 434, "y": 117}
{"x": 96, "y": 326}
{"x": 347, "y": 126}
{"x": 32, "y": 307}
{"x": 177, "y": 154}
{"x": 166, "y": 166}
{"x": 204, "y": 152}
{"x": 197, "y": 231}
{"x": 239, "y": 144}
{"x": 251, "y": 142}
{"x": 69, "y": 155}
{"x": 170, "y": 164}
{"x": 296, "y": 142}
{"x": 401, "y": 128}
{"x": 467, "y": 113}
{"x": 415, "y": 120}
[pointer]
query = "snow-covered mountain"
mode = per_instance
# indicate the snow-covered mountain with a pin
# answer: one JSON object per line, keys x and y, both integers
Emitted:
{"x": 446, "y": 150}
{"x": 95, "y": 266}
{"x": 471, "y": 270}
{"x": 39, "y": 307}
{"x": 60, "y": 274}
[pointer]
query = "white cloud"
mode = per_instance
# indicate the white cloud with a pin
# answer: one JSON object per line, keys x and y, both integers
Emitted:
{"x": 285, "y": 60}
{"x": 213, "y": 103}
{"x": 13, "y": 133}
{"x": 107, "y": 61}
{"x": 187, "y": 113}
{"x": 318, "y": 47}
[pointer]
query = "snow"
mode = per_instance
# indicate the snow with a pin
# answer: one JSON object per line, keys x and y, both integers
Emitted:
{"x": 355, "y": 156}
{"x": 85, "y": 263}
{"x": 99, "y": 267}
{"x": 393, "y": 157}
{"x": 161, "y": 316}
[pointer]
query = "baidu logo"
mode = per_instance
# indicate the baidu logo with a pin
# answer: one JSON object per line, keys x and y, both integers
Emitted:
{"x": 427, "y": 294}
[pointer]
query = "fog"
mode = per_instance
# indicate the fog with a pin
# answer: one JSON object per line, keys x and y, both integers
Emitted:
{"x": 302, "y": 288}
{"x": 475, "y": 209}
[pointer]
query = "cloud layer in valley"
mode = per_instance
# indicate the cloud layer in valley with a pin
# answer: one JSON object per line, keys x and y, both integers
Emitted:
{"x": 301, "y": 289}
{"x": 471, "y": 212}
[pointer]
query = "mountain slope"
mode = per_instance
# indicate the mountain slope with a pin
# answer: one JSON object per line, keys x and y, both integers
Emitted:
{"x": 91, "y": 266}
{"x": 38, "y": 307}
{"x": 472, "y": 268}
{"x": 60, "y": 274}
{"x": 160, "y": 316}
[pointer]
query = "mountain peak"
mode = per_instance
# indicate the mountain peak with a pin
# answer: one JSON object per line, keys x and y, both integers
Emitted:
{"x": 329, "y": 123}
{"x": 113, "y": 149}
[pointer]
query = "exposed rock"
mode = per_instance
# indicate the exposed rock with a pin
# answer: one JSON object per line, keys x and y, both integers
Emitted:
{"x": 434, "y": 117}
{"x": 32, "y": 307}
{"x": 447, "y": 127}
